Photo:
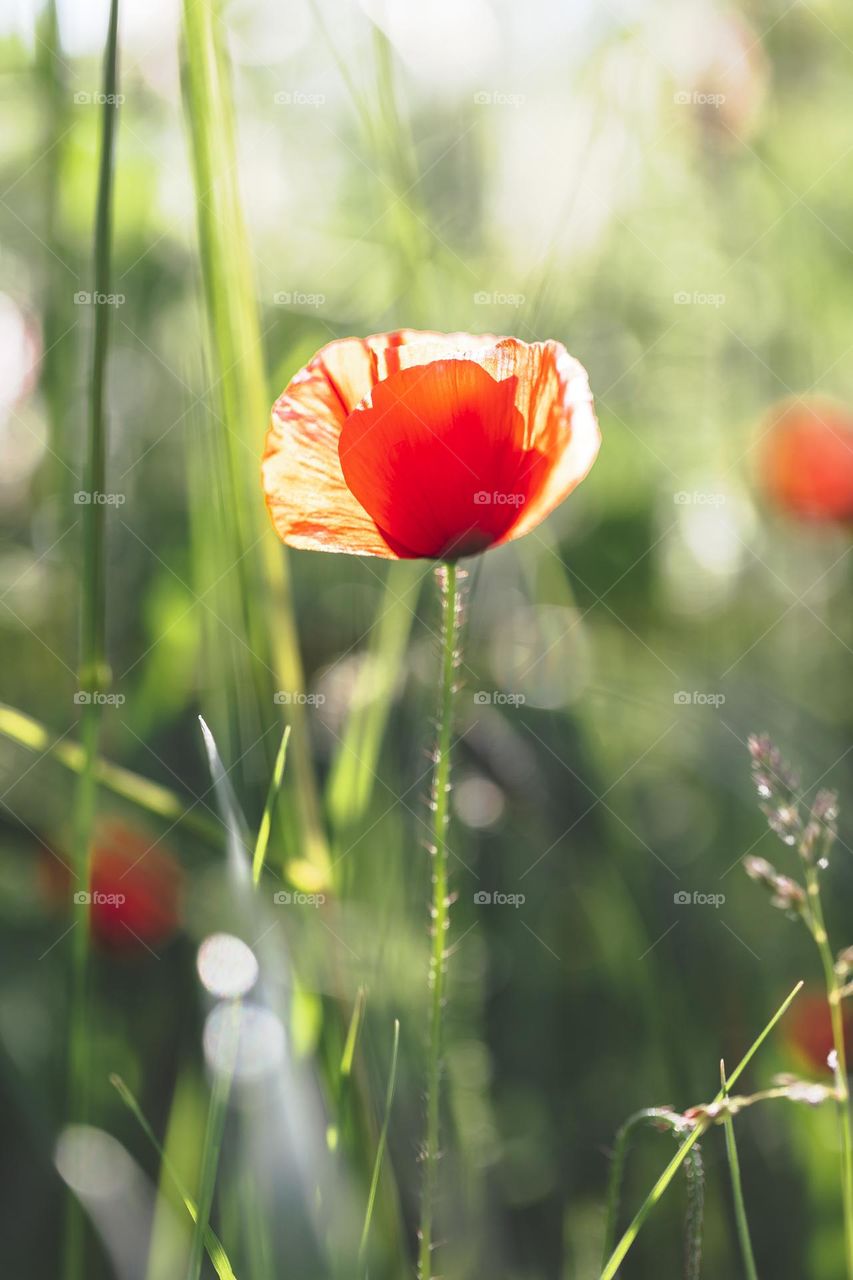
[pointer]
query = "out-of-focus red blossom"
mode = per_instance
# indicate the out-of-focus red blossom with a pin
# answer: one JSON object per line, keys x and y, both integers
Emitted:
{"x": 136, "y": 890}
{"x": 807, "y": 460}
{"x": 432, "y": 445}
{"x": 809, "y": 1032}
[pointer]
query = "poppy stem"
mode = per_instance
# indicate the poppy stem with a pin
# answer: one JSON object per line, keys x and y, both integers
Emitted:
{"x": 448, "y": 577}
{"x": 817, "y": 927}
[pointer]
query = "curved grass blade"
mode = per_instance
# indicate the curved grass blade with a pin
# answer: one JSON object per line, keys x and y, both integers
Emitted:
{"x": 266, "y": 818}
{"x": 659, "y": 1118}
{"x": 380, "y": 1150}
{"x": 151, "y": 796}
{"x": 212, "y": 1244}
{"x": 611, "y": 1267}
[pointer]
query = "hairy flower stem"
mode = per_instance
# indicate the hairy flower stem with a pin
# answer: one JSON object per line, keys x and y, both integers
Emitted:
{"x": 448, "y": 575}
{"x": 818, "y": 931}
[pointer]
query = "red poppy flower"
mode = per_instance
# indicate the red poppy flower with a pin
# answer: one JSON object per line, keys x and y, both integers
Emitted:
{"x": 431, "y": 445}
{"x": 809, "y": 1032}
{"x": 808, "y": 460}
{"x": 135, "y": 892}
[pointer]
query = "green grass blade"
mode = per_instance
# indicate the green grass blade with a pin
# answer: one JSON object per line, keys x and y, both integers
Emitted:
{"x": 380, "y": 1150}
{"x": 353, "y": 774}
{"x": 213, "y": 1245}
{"x": 263, "y": 623}
{"x": 611, "y": 1268}
{"x": 353, "y": 1031}
{"x": 150, "y": 796}
{"x": 94, "y": 673}
{"x": 737, "y": 1188}
{"x": 265, "y": 827}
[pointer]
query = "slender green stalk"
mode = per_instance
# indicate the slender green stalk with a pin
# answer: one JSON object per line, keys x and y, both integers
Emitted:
{"x": 214, "y": 1132}
{"x": 260, "y": 601}
{"x": 737, "y": 1188}
{"x": 380, "y": 1150}
{"x": 833, "y": 994}
{"x": 151, "y": 796}
{"x": 94, "y": 675}
{"x": 616, "y": 1259}
{"x": 660, "y": 1117}
{"x": 212, "y": 1244}
{"x": 440, "y": 912}
{"x": 266, "y": 818}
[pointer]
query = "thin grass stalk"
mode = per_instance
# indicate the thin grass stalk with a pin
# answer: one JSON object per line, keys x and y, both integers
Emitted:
{"x": 94, "y": 674}
{"x": 448, "y": 577}
{"x": 380, "y": 1150}
{"x": 659, "y": 1117}
{"x": 214, "y": 1134}
{"x": 611, "y": 1268}
{"x": 817, "y": 926}
{"x": 264, "y": 593}
{"x": 212, "y": 1244}
{"x": 150, "y": 796}
{"x": 741, "y": 1220}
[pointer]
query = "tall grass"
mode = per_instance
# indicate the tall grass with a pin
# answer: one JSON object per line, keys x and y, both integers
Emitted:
{"x": 259, "y": 626}
{"x": 94, "y": 674}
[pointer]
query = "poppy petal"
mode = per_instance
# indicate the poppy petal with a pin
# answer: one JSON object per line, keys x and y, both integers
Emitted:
{"x": 436, "y": 455}
{"x": 425, "y": 444}
{"x": 308, "y": 499}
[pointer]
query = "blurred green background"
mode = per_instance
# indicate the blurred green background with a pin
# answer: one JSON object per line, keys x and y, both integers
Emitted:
{"x": 666, "y": 190}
